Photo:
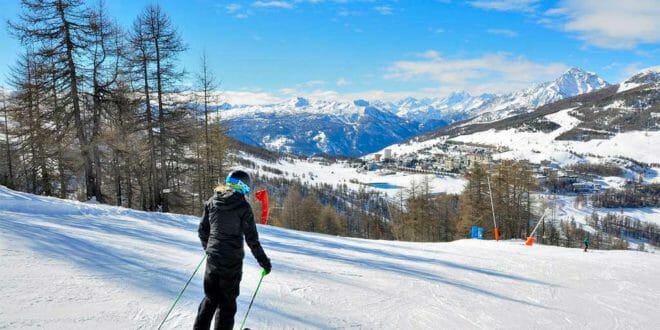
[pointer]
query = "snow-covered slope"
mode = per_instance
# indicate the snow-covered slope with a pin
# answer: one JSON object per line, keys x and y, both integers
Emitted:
{"x": 609, "y": 123}
{"x": 567, "y": 208}
{"x": 69, "y": 265}
{"x": 538, "y": 146}
{"x": 338, "y": 174}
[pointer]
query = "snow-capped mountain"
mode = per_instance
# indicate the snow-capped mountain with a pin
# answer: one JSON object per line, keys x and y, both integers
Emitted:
{"x": 452, "y": 108}
{"x": 618, "y": 123}
{"x": 359, "y": 127}
{"x": 491, "y": 107}
{"x": 650, "y": 76}
{"x": 317, "y": 126}
{"x": 3, "y": 94}
{"x": 573, "y": 82}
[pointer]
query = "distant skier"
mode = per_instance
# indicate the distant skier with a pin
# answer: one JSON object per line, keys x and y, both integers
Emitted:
{"x": 227, "y": 218}
{"x": 586, "y": 243}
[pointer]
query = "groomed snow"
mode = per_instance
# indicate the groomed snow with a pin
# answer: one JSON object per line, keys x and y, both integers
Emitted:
{"x": 69, "y": 265}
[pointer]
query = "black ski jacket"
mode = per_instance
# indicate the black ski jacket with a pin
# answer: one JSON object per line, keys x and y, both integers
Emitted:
{"x": 227, "y": 218}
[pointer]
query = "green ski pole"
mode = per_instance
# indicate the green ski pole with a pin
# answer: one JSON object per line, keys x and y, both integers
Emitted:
{"x": 181, "y": 293}
{"x": 263, "y": 273}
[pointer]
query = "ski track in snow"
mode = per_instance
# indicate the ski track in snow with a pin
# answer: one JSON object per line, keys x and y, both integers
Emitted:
{"x": 70, "y": 265}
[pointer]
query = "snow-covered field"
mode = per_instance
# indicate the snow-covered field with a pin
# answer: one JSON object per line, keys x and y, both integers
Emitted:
{"x": 70, "y": 265}
{"x": 310, "y": 172}
{"x": 566, "y": 208}
{"x": 538, "y": 146}
{"x": 643, "y": 146}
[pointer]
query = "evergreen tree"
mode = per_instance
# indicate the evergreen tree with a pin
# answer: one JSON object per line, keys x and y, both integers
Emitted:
{"x": 59, "y": 30}
{"x": 291, "y": 213}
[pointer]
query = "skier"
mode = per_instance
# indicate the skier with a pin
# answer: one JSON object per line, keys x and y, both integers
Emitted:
{"x": 586, "y": 243}
{"x": 227, "y": 218}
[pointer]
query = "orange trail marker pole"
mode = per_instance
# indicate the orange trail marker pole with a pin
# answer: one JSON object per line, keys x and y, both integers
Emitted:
{"x": 530, "y": 238}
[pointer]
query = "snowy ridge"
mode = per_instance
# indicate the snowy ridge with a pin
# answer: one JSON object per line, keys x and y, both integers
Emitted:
{"x": 573, "y": 82}
{"x": 296, "y": 106}
{"x": 451, "y": 108}
{"x": 649, "y": 76}
{"x": 105, "y": 267}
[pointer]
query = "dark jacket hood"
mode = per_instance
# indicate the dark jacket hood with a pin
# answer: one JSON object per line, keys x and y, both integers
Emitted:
{"x": 226, "y": 198}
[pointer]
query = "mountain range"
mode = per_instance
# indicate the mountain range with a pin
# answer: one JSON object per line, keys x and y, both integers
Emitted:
{"x": 617, "y": 123}
{"x": 360, "y": 127}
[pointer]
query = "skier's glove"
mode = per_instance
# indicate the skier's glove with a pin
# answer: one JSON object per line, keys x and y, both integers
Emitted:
{"x": 265, "y": 264}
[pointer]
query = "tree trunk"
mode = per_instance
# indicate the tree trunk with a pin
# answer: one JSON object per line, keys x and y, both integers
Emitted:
{"x": 10, "y": 178}
{"x": 90, "y": 180}
{"x": 153, "y": 185}
{"x": 96, "y": 130}
{"x": 129, "y": 184}
{"x": 58, "y": 127}
{"x": 118, "y": 190}
{"x": 161, "y": 125}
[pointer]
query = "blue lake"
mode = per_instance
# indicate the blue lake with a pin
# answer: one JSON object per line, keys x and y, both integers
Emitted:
{"x": 383, "y": 185}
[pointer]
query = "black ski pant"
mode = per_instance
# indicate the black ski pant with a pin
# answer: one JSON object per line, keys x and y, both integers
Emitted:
{"x": 220, "y": 292}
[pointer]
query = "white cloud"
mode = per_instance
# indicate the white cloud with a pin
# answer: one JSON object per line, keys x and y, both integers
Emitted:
{"x": 437, "y": 30}
{"x": 235, "y": 9}
{"x": 383, "y": 10}
{"x": 343, "y": 82}
{"x": 370, "y": 95}
{"x": 313, "y": 83}
{"x": 347, "y": 13}
{"x": 430, "y": 54}
{"x": 505, "y": 5}
{"x": 272, "y": 4}
{"x": 613, "y": 24}
{"x": 492, "y": 73}
{"x": 503, "y": 32}
{"x": 629, "y": 70}
{"x": 259, "y": 97}
{"x": 232, "y": 8}
{"x": 249, "y": 97}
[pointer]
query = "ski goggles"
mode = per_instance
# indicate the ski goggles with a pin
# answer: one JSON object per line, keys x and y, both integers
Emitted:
{"x": 238, "y": 185}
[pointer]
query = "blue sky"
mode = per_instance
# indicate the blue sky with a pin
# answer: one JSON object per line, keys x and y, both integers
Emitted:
{"x": 388, "y": 49}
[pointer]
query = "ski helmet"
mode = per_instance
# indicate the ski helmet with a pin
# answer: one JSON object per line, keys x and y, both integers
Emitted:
{"x": 239, "y": 181}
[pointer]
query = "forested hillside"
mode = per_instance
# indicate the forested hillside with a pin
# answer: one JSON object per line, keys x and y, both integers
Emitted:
{"x": 95, "y": 110}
